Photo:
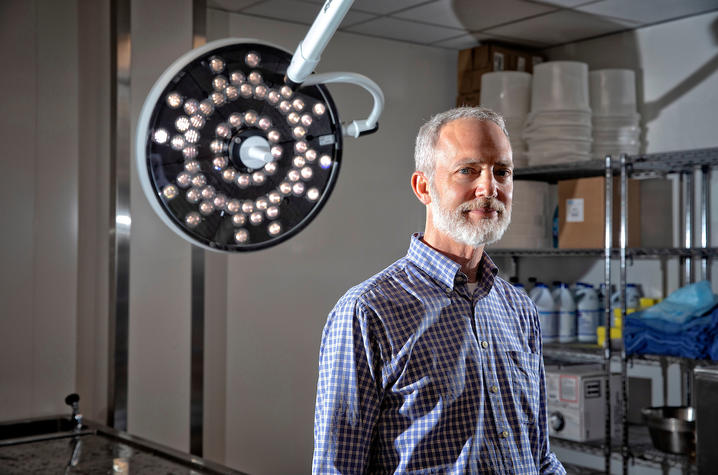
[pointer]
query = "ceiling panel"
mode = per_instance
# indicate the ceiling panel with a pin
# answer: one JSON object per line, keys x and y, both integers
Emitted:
{"x": 395, "y": 28}
{"x": 298, "y": 11}
{"x": 481, "y": 14}
{"x": 445, "y": 23}
{"x": 649, "y": 11}
{"x": 384, "y": 7}
{"x": 437, "y": 13}
{"x": 568, "y": 3}
{"x": 230, "y": 5}
{"x": 561, "y": 27}
{"x": 464, "y": 41}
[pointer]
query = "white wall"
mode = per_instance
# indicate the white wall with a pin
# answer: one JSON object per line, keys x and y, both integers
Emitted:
{"x": 39, "y": 183}
{"x": 160, "y": 316}
{"x": 93, "y": 207}
{"x": 279, "y": 298}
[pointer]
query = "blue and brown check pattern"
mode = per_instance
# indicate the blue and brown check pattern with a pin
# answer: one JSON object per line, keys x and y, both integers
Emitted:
{"x": 418, "y": 376}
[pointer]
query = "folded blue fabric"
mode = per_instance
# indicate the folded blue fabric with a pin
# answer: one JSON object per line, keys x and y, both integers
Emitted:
{"x": 688, "y": 302}
{"x": 685, "y": 324}
{"x": 648, "y": 343}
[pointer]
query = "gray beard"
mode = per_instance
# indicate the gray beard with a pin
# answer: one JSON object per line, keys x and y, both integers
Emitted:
{"x": 454, "y": 224}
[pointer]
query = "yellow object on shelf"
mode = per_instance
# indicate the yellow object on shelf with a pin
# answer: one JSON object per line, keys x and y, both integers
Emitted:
{"x": 618, "y": 316}
{"x": 616, "y": 334}
{"x": 646, "y": 302}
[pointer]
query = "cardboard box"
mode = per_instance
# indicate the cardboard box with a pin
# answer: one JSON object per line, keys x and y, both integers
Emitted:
{"x": 466, "y": 60}
{"x": 468, "y": 99}
{"x": 465, "y": 82}
{"x": 502, "y": 58}
{"x": 473, "y": 63}
{"x": 581, "y": 213}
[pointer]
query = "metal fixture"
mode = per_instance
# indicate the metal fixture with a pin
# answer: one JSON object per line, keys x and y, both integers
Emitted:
{"x": 73, "y": 401}
{"x": 238, "y": 147}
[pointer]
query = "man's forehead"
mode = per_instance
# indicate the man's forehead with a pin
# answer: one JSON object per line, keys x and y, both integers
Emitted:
{"x": 473, "y": 142}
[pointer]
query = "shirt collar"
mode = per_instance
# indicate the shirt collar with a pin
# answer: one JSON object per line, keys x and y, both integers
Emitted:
{"x": 444, "y": 270}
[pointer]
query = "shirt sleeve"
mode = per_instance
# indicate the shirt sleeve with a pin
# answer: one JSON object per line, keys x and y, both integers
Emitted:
{"x": 348, "y": 396}
{"x": 549, "y": 462}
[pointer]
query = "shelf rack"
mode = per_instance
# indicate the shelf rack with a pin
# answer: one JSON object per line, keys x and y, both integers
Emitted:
{"x": 640, "y": 451}
{"x": 592, "y": 353}
{"x": 636, "y": 252}
{"x": 657, "y": 164}
{"x": 685, "y": 164}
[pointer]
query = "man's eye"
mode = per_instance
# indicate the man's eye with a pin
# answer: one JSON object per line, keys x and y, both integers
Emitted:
{"x": 504, "y": 172}
{"x": 465, "y": 171}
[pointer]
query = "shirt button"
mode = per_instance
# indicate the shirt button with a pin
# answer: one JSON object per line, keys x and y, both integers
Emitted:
{"x": 494, "y": 389}
{"x": 504, "y": 434}
{"x": 484, "y": 344}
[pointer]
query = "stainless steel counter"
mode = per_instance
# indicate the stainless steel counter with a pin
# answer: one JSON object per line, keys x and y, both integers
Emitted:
{"x": 54, "y": 445}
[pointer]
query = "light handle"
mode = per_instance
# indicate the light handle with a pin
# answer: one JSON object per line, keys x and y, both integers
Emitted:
{"x": 356, "y": 127}
{"x": 309, "y": 51}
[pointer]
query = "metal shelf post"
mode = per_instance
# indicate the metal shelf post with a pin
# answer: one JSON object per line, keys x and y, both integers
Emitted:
{"x": 608, "y": 243}
{"x": 624, "y": 373}
{"x": 688, "y": 210}
{"x": 705, "y": 220}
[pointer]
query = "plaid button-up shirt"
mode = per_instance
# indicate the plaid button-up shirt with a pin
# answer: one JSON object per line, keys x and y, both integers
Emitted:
{"x": 418, "y": 375}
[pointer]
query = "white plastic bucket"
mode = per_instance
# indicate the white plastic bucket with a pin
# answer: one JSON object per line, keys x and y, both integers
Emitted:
{"x": 506, "y": 92}
{"x": 612, "y": 92}
{"x": 560, "y": 85}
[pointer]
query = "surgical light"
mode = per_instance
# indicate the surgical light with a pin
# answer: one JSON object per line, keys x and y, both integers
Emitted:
{"x": 239, "y": 143}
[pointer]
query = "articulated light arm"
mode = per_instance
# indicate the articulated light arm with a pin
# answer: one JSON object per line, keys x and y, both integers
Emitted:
{"x": 307, "y": 56}
{"x": 356, "y": 127}
{"x": 310, "y": 49}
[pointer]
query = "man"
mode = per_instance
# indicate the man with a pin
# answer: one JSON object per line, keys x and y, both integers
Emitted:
{"x": 434, "y": 365}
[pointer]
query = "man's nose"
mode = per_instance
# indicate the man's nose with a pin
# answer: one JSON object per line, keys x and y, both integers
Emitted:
{"x": 486, "y": 186}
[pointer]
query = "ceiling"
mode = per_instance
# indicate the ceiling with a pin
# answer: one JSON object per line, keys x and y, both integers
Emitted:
{"x": 459, "y": 24}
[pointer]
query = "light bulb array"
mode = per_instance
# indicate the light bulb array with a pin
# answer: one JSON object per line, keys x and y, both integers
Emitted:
{"x": 194, "y": 156}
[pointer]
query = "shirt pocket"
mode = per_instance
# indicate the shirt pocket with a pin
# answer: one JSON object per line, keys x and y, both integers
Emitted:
{"x": 525, "y": 385}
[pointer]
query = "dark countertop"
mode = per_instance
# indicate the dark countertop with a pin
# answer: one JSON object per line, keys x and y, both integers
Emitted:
{"x": 97, "y": 449}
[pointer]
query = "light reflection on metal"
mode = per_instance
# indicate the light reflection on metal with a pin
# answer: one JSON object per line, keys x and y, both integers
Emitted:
{"x": 120, "y": 221}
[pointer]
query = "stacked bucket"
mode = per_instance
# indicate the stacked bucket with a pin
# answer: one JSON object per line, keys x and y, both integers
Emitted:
{"x": 531, "y": 211}
{"x": 509, "y": 94}
{"x": 558, "y": 128}
{"x": 616, "y": 127}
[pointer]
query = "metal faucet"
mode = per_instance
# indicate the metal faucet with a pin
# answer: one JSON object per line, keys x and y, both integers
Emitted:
{"x": 73, "y": 400}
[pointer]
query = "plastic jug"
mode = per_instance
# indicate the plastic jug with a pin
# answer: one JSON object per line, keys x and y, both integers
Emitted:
{"x": 566, "y": 308}
{"x": 587, "y": 312}
{"x": 548, "y": 316}
{"x": 633, "y": 299}
{"x": 601, "y": 293}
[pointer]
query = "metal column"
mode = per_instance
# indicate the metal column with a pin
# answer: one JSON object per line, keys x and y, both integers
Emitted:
{"x": 705, "y": 221}
{"x": 624, "y": 370}
{"x": 120, "y": 221}
{"x": 608, "y": 242}
{"x": 199, "y": 38}
{"x": 686, "y": 276}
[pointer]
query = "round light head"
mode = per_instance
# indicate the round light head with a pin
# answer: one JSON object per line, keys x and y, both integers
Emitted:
{"x": 244, "y": 149}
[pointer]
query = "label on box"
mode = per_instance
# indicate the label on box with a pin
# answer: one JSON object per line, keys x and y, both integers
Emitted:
{"x": 568, "y": 388}
{"x": 574, "y": 210}
{"x": 498, "y": 61}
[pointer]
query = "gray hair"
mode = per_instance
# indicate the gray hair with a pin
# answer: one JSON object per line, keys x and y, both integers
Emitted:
{"x": 424, "y": 150}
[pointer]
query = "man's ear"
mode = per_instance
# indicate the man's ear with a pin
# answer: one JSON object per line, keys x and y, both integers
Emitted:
{"x": 420, "y": 186}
